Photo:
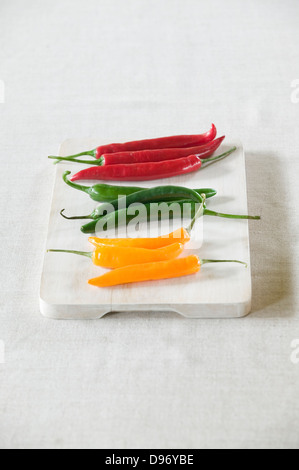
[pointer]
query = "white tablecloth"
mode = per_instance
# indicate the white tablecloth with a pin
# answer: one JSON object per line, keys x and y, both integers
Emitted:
{"x": 140, "y": 69}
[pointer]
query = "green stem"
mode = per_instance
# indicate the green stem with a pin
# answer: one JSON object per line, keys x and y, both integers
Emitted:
{"x": 81, "y": 253}
{"x": 207, "y": 261}
{"x": 223, "y": 155}
{"x": 74, "y": 185}
{"x": 75, "y": 218}
{"x": 91, "y": 153}
{"x": 99, "y": 162}
{"x": 231, "y": 216}
{"x": 198, "y": 214}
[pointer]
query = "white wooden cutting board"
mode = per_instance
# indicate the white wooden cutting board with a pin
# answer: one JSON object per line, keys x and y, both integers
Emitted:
{"x": 217, "y": 291}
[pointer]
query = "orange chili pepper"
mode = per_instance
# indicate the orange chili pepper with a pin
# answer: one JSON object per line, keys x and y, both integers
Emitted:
{"x": 180, "y": 235}
{"x": 148, "y": 272}
{"x": 154, "y": 271}
{"x": 118, "y": 256}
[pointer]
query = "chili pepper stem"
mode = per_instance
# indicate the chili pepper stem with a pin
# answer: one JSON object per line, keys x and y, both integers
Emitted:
{"x": 99, "y": 162}
{"x": 207, "y": 261}
{"x": 80, "y": 187}
{"x": 231, "y": 216}
{"x": 198, "y": 214}
{"x": 81, "y": 253}
{"x": 223, "y": 155}
{"x": 91, "y": 153}
{"x": 75, "y": 218}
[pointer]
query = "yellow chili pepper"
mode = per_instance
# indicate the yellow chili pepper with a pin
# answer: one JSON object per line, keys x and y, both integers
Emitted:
{"x": 180, "y": 235}
{"x": 118, "y": 256}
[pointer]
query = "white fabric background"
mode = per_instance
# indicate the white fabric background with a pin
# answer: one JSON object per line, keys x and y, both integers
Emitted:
{"x": 146, "y": 68}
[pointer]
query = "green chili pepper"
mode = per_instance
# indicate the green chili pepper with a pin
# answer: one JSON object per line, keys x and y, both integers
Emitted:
{"x": 108, "y": 192}
{"x": 158, "y": 194}
{"x": 121, "y": 217}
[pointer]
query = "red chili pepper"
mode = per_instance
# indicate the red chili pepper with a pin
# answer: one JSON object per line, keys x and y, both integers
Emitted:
{"x": 158, "y": 155}
{"x": 160, "y": 143}
{"x": 145, "y": 171}
{"x": 141, "y": 172}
